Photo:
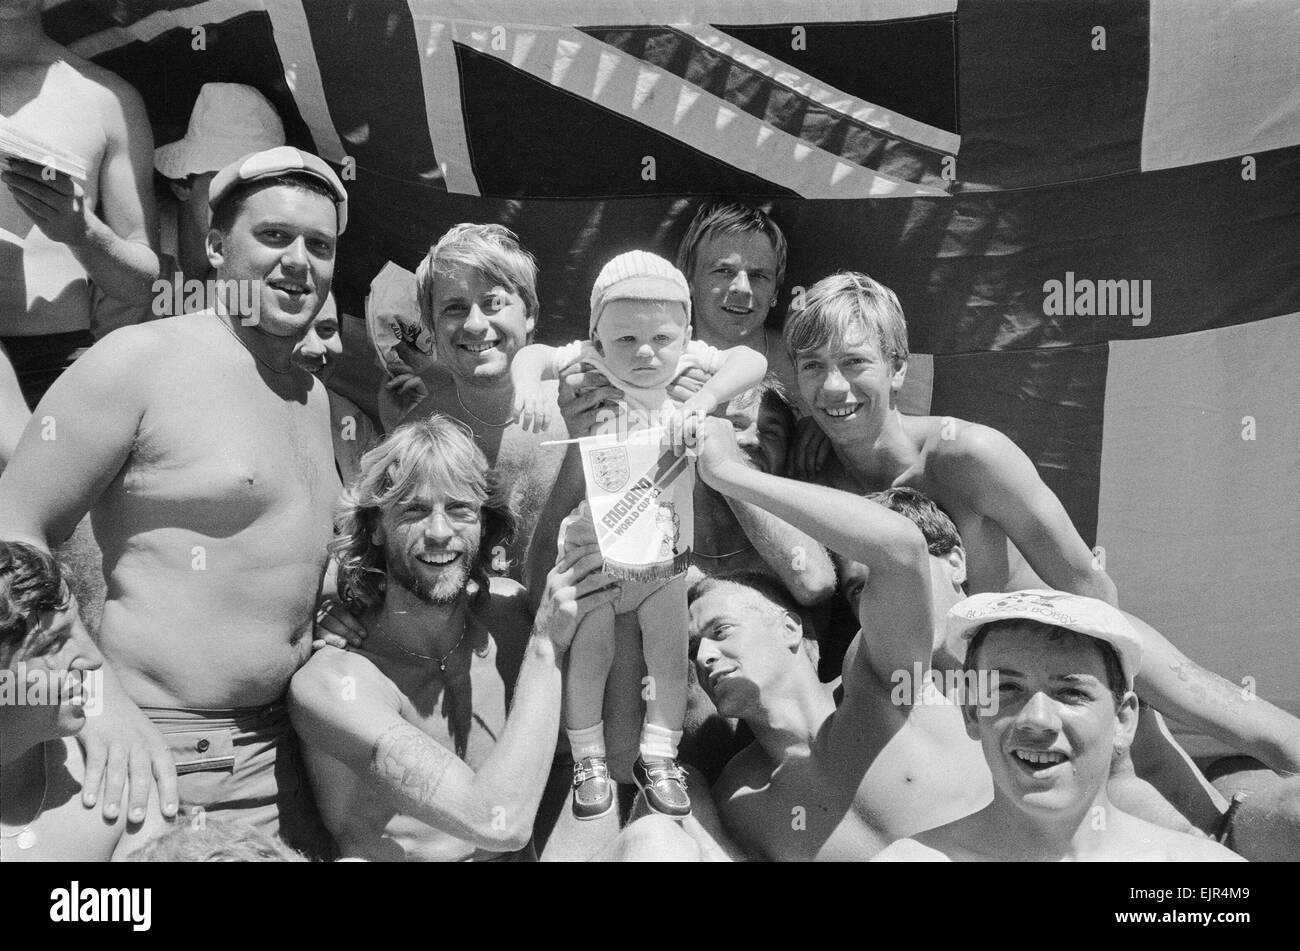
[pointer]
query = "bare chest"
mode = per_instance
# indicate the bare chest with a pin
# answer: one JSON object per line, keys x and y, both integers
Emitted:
{"x": 222, "y": 458}
{"x": 56, "y": 104}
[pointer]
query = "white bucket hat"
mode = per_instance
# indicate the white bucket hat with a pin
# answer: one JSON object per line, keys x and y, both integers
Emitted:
{"x": 1073, "y": 612}
{"x": 229, "y": 121}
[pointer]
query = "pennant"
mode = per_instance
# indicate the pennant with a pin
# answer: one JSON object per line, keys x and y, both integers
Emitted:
{"x": 641, "y": 496}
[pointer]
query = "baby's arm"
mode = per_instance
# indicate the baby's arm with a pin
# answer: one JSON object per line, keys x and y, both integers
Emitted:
{"x": 531, "y": 366}
{"x": 740, "y": 369}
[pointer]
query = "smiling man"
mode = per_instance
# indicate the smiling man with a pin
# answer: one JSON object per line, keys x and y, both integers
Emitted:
{"x": 433, "y": 741}
{"x": 478, "y": 294}
{"x": 1065, "y": 709}
{"x": 43, "y": 642}
{"x": 202, "y": 451}
{"x": 849, "y": 347}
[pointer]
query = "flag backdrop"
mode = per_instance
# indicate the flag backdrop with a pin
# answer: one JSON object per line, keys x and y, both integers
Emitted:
{"x": 964, "y": 153}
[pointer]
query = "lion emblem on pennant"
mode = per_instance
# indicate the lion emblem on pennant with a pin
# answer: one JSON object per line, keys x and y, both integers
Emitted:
{"x": 609, "y": 467}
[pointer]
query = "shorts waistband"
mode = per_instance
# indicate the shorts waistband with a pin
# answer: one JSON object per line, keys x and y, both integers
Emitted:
{"x": 207, "y": 718}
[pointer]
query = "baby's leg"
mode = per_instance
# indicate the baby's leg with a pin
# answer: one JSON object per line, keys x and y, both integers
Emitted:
{"x": 590, "y": 657}
{"x": 664, "y": 620}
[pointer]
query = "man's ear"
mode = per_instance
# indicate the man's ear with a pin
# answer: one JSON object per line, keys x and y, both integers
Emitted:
{"x": 1126, "y": 721}
{"x": 216, "y": 245}
{"x": 180, "y": 189}
{"x": 900, "y": 374}
{"x": 529, "y": 324}
{"x": 970, "y": 717}
{"x": 956, "y": 560}
{"x": 792, "y": 632}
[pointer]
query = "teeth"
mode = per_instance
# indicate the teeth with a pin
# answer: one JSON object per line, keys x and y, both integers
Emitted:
{"x": 1044, "y": 756}
{"x": 479, "y": 347}
{"x": 842, "y": 411}
{"x": 444, "y": 559}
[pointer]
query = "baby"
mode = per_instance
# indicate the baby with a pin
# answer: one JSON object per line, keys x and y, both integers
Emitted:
{"x": 640, "y": 340}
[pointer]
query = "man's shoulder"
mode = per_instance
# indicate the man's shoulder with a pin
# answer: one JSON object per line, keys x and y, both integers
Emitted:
{"x": 143, "y": 347}
{"x": 96, "y": 84}
{"x": 955, "y": 451}
{"x": 331, "y": 674}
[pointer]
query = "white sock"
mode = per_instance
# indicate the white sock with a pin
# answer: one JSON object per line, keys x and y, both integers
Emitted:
{"x": 659, "y": 743}
{"x": 588, "y": 742}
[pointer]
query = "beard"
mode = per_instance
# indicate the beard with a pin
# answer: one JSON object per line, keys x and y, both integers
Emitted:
{"x": 449, "y": 585}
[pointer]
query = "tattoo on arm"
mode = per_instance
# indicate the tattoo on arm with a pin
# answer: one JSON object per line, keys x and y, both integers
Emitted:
{"x": 1208, "y": 687}
{"x": 404, "y": 756}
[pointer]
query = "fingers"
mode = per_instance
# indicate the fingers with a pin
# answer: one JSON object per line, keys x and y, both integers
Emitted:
{"x": 46, "y": 193}
{"x": 164, "y": 773}
{"x": 31, "y": 170}
{"x": 336, "y": 626}
{"x": 140, "y": 772}
{"x": 115, "y": 775}
{"x": 581, "y": 562}
{"x": 606, "y": 593}
{"x": 39, "y": 211}
{"x": 592, "y": 585}
{"x": 96, "y": 758}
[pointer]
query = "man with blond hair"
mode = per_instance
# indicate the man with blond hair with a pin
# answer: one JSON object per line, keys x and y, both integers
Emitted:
{"x": 433, "y": 741}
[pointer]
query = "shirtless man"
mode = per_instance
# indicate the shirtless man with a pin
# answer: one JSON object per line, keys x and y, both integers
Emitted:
{"x": 734, "y": 257}
{"x": 1063, "y": 708}
{"x": 849, "y": 347}
{"x": 52, "y": 242}
{"x": 204, "y": 456}
{"x": 822, "y": 782}
{"x": 44, "y": 647}
{"x": 478, "y": 293}
{"x": 433, "y": 741}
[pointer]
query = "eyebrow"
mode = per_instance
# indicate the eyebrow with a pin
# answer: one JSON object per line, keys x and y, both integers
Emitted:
{"x": 295, "y": 226}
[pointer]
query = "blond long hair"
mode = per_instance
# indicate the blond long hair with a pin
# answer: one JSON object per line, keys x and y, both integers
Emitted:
{"x": 437, "y": 451}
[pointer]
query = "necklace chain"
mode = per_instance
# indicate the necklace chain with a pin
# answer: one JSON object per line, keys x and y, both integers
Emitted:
{"x": 25, "y": 836}
{"x": 441, "y": 661}
{"x": 477, "y": 417}
{"x": 231, "y": 330}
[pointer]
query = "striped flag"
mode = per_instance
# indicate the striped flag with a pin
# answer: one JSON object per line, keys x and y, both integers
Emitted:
{"x": 1090, "y": 210}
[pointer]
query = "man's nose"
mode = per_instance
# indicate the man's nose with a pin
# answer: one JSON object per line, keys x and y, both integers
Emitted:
{"x": 295, "y": 254}
{"x": 437, "y": 526}
{"x": 313, "y": 346}
{"x": 84, "y": 651}
{"x": 740, "y": 285}
{"x": 476, "y": 321}
{"x": 834, "y": 382}
{"x": 1039, "y": 714}
{"x": 706, "y": 653}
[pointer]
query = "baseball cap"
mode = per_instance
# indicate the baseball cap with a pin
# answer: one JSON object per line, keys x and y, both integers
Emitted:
{"x": 1073, "y": 612}
{"x": 638, "y": 275}
{"x": 228, "y": 121}
{"x": 278, "y": 161}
